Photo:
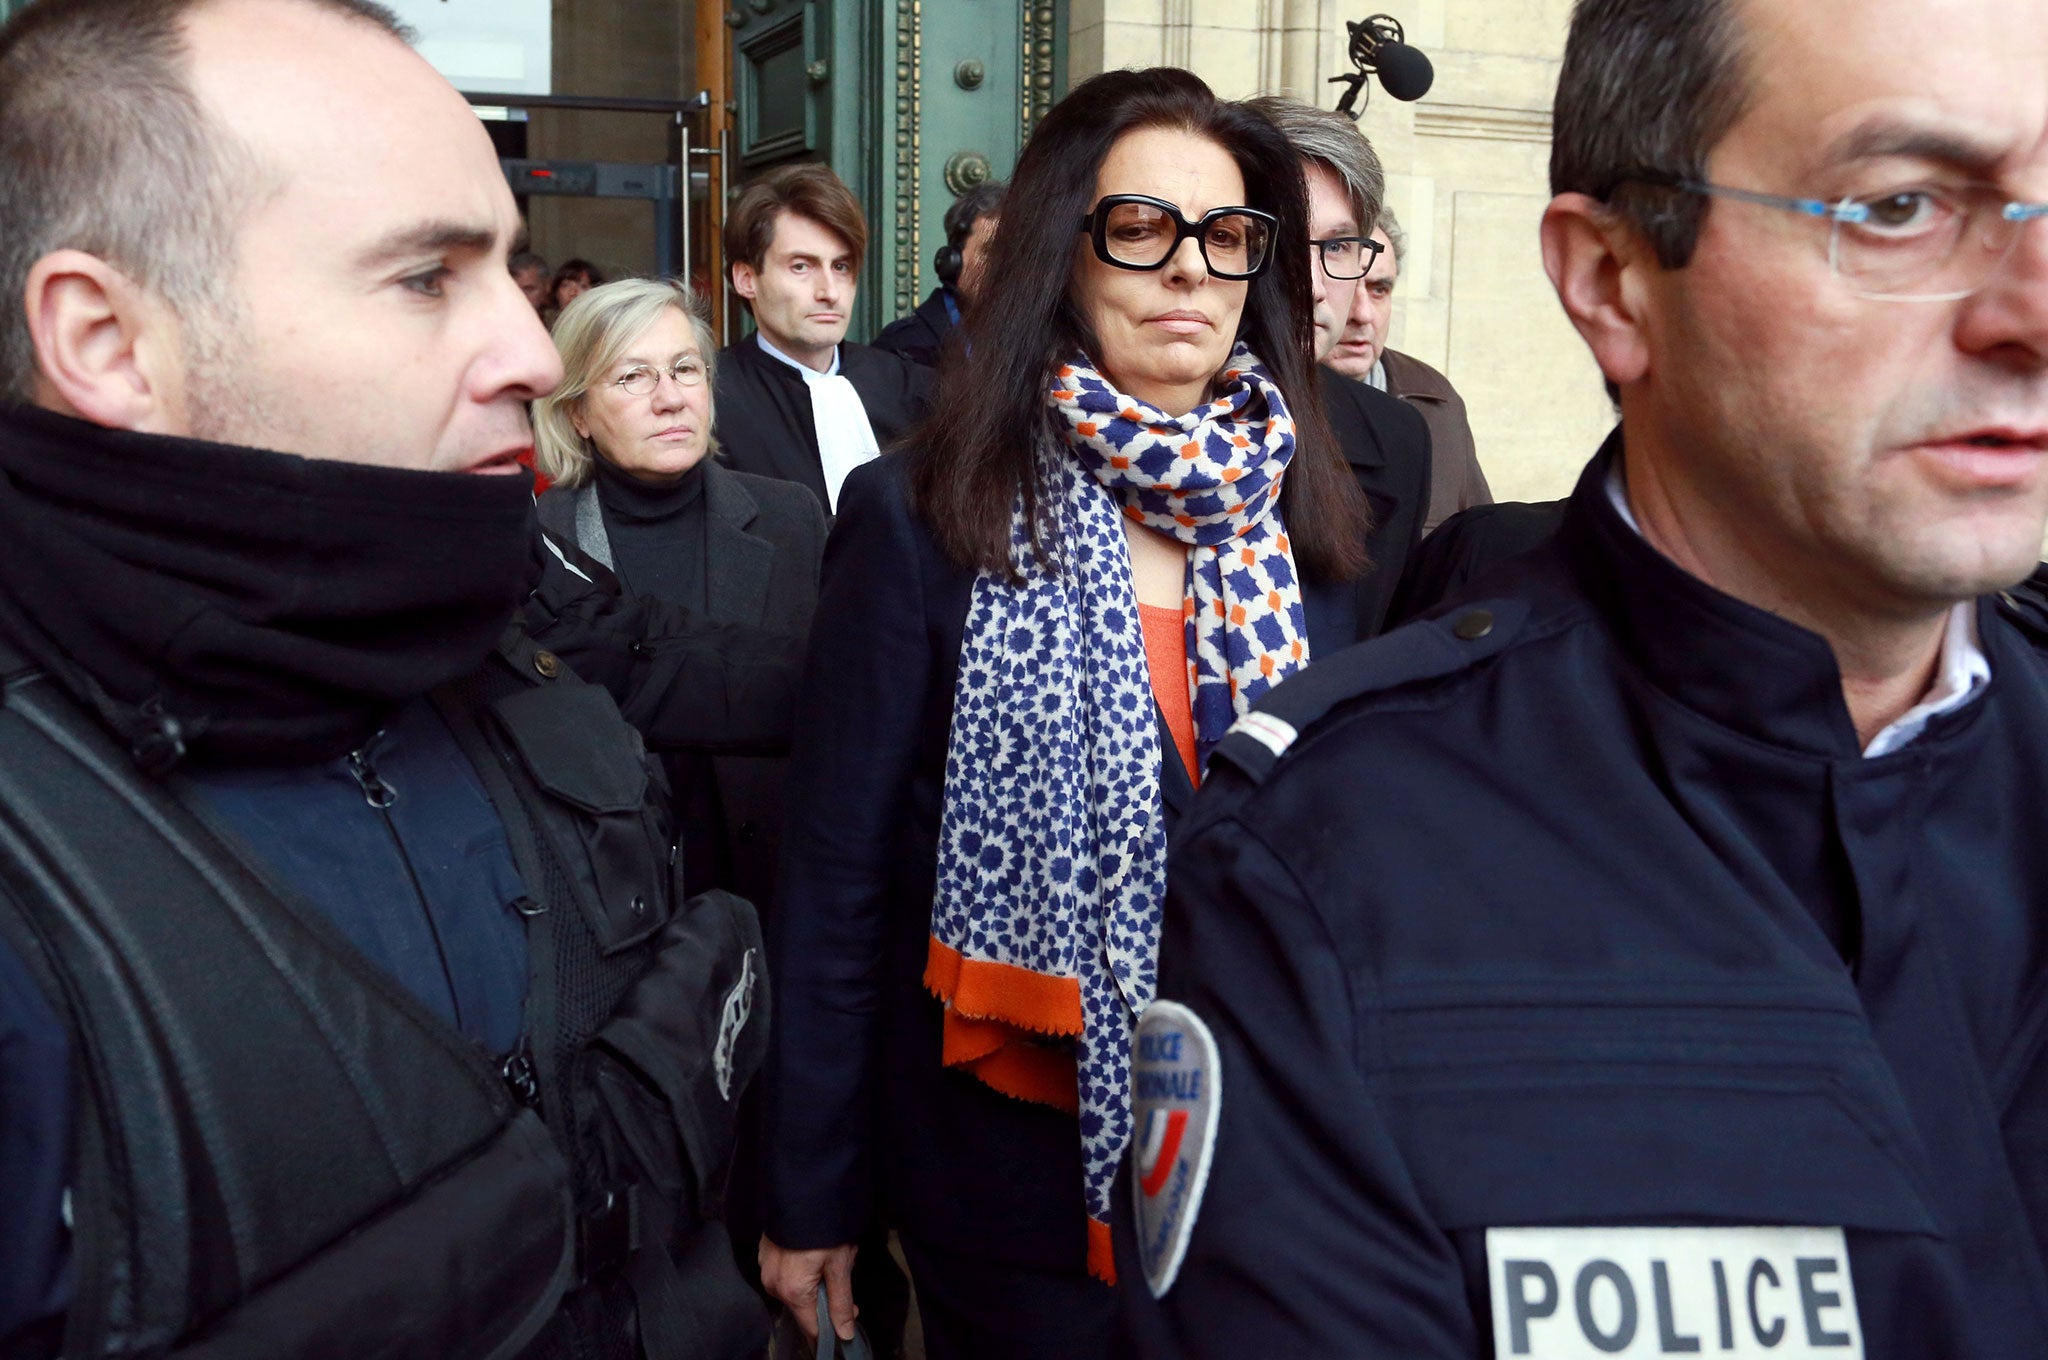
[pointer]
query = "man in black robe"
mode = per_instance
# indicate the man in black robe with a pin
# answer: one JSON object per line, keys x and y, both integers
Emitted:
{"x": 795, "y": 400}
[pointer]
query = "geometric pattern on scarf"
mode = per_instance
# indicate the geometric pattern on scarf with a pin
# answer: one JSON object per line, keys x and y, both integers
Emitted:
{"x": 1052, "y": 841}
{"x": 1212, "y": 479}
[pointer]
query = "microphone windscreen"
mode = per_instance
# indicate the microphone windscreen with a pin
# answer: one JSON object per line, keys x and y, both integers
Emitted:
{"x": 1405, "y": 72}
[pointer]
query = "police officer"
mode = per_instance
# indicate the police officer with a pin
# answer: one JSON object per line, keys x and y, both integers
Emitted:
{"x": 347, "y": 1003}
{"x": 1647, "y": 958}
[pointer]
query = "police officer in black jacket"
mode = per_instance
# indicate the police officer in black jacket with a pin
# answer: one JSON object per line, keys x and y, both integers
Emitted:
{"x": 348, "y": 1005}
{"x": 1646, "y": 958}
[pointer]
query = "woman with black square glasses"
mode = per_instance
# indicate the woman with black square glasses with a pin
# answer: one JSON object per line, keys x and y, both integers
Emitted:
{"x": 1125, "y": 521}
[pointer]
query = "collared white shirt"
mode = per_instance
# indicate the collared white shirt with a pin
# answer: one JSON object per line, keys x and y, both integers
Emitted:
{"x": 775, "y": 353}
{"x": 840, "y": 421}
{"x": 1959, "y": 676}
{"x": 1963, "y": 671}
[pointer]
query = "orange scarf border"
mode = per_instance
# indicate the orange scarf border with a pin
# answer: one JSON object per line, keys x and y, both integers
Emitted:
{"x": 986, "y": 990}
{"x": 1101, "y": 1255}
{"x": 994, "y": 1015}
{"x": 992, "y": 1012}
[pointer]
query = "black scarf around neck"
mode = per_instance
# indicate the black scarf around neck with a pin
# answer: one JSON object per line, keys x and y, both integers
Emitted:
{"x": 243, "y": 605}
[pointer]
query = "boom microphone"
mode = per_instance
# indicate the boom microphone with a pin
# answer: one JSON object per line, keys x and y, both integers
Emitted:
{"x": 1404, "y": 72}
{"x": 1379, "y": 47}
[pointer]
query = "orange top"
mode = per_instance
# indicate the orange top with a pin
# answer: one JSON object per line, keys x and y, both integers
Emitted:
{"x": 1166, "y": 657}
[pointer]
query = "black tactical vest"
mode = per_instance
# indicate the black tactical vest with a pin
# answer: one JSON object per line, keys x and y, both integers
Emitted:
{"x": 280, "y": 1153}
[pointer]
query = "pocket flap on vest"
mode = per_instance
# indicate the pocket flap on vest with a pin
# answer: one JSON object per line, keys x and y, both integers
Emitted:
{"x": 690, "y": 1034}
{"x": 576, "y": 746}
{"x": 1587, "y": 1114}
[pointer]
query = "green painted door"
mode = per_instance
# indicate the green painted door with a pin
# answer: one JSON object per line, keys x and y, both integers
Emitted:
{"x": 911, "y": 101}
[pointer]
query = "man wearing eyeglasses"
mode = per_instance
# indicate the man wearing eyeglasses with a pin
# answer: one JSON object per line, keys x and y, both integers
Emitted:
{"x": 1730, "y": 1035}
{"x": 1457, "y": 482}
{"x": 1385, "y": 441}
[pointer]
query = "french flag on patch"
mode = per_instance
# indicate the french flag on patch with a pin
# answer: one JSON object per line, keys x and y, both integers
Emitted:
{"x": 1176, "y": 1095}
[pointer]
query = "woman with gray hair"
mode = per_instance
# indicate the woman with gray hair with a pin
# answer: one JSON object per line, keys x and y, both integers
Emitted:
{"x": 627, "y": 441}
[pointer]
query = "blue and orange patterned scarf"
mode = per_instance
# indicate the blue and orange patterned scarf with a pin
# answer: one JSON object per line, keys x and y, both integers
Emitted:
{"x": 1052, "y": 846}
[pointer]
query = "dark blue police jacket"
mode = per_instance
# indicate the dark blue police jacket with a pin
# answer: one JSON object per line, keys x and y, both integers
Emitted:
{"x": 424, "y": 885}
{"x": 1578, "y": 906}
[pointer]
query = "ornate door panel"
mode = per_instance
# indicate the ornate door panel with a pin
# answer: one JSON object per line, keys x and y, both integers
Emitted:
{"x": 780, "y": 79}
{"x": 911, "y": 101}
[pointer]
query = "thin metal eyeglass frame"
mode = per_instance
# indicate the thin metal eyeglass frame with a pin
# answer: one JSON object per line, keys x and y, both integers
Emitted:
{"x": 1373, "y": 250}
{"x": 660, "y": 373}
{"x": 1096, "y": 225}
{"x": 1847, "y": 211}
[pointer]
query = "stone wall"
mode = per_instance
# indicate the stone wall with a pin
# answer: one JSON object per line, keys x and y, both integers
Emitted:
{"x": 1467, "y": 170}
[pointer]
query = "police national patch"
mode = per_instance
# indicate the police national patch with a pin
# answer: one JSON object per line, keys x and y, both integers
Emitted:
{"x": 1177, "y": 1092}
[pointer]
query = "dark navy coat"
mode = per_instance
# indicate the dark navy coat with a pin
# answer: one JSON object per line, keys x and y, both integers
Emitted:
{"x": 860, "y": 1113}
{"x": 1386, "y": 445}
{"x": 1579, "y": 905}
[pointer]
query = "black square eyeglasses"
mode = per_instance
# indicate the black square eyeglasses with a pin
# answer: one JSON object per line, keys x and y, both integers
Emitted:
{"x": 1137, "y": 231}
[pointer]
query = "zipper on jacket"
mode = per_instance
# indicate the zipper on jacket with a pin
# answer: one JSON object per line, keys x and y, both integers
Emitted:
{"x": 522, "y": 1079}
{"x": 376, "y": 792}
{"x": 380, "y": 795}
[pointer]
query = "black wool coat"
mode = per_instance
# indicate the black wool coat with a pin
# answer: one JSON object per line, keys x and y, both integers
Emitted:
{"x": 1387, "y": 445}
{"x": 766, "y": 540}
{"x": 860, "y": 1114}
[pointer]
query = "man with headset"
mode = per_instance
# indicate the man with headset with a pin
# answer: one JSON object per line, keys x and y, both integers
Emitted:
{"x": 970, "y": 224}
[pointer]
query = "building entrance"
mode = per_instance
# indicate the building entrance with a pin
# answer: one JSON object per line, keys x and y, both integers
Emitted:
{"x": 911, "y": 101}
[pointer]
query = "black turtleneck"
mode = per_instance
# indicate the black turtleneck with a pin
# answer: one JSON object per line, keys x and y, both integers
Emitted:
{"x": 657, "y": 533}
{"x": 659, "y": 548}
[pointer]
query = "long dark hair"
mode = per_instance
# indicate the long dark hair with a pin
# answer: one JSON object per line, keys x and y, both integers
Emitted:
{"x": 976, "y": 454}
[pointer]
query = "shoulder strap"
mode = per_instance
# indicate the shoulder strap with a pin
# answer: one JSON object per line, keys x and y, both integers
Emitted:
{"x": 254, "y": 1092}
{"x": 1425, "y": 651}
{"x": 14, "y": 665}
